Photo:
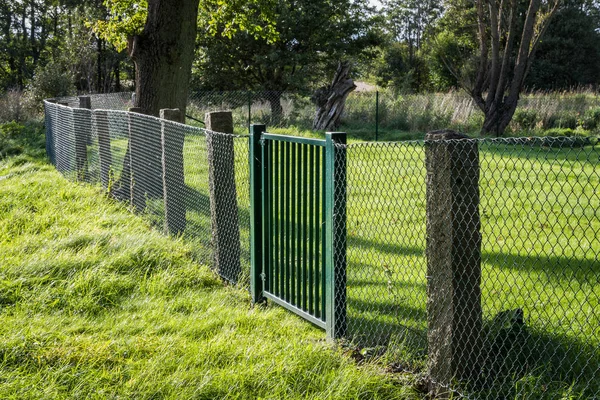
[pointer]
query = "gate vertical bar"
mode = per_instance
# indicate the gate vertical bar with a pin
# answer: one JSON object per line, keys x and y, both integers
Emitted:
{"x": 335, "y": 212}
{"x": 259, "y": 209}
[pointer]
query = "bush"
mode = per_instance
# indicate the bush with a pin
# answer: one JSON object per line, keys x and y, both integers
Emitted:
{"x": 591, "y": 119}
{"x": 564, "y": 119}
{"x": 525, "y": 120}
{"x": 50, "y": 81}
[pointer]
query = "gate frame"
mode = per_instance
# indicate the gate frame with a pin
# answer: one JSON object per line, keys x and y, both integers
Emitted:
{"x": 334, "y": 209}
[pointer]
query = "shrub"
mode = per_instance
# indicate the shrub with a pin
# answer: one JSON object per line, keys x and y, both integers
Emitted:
{"x": 563, "y": 119}
{"x": 50, "y": 81}
{"x": 591, "y": 119}
{"x": 525, "y": 119}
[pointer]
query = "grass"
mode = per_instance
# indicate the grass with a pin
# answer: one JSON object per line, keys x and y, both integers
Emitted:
{"x": 540, "y": 253}
{"x": 540, "y": 224}
{"x": 96, "y": 304}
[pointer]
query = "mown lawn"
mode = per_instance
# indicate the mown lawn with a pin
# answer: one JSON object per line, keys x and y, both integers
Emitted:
{"x": 95, "y": 304}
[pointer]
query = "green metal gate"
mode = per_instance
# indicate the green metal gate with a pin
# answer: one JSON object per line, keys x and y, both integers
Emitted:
{"x": 298, "y": 225}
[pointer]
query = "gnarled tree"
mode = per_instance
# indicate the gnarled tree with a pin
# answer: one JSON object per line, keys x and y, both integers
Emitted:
{"x": 330, "y": 100}
{"x": 501, "y": 73}
{"x": 509, "y": 32}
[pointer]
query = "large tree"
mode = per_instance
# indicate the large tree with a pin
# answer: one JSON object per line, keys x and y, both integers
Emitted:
{"x": 163, "y": 53}
{"x": 313, "y": 36}
{"x": 509, "y": 33}
{"x": 160, "y": 38}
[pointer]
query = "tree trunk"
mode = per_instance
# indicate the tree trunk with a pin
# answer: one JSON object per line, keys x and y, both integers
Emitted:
{"x": 163, "y": 55}
{"x": 498, "y": 118}
{"x": 499, "y": 80}
{"x": 331, "y": 100}
{"x": 276, "y": 109}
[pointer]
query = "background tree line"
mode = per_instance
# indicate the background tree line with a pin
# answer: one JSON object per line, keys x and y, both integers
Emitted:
{"x": 55, "y": 47}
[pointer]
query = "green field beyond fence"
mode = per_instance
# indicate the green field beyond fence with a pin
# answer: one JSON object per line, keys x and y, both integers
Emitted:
{"x": 540, "y": 230}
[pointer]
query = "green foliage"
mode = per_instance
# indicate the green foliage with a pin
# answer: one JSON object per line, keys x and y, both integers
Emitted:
{"x": 591, "y": 119}
{"x": 569, "y": 54}
{"x": 313, "y": 36}
{"x": 563, "y": 119}
{"x": 16, "y": 138}
{"x": 125, "y": 18}
{"x": 52, "y": 80}
{"x": 525, "y": 119}
{"x": 95, "y": 304}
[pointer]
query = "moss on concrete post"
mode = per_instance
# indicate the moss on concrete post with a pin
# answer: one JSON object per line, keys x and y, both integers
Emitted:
{"x": 453, "y": 252}
{"x": 172, "y": 139}
{"x": 223, "y": 194}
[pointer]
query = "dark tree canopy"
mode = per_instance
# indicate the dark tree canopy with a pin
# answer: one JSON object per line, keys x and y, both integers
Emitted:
{"x": 313, "y": 36}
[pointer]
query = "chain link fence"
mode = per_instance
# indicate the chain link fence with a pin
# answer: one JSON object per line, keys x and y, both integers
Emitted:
{"x": 471, "y": 263}
{"x": 123, "y": 152}
{"x": 476, "y": 262}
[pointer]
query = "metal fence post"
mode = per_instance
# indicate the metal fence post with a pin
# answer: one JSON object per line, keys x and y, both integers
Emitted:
{"x": 223, "y": 194}
{"x": 377, "y": 116}
{"x": 172, "y": 141}
{"x": 249, "y": 111}
{"x": 258, "y": 241}
{"x": 453, "y": 251}
{"x": 335, "y": 235}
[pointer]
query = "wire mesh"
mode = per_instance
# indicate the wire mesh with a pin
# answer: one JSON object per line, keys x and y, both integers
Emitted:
{"x": 161, "y": 170}
{"x": 517, "y": 319}
{"x": 472, "y": 262}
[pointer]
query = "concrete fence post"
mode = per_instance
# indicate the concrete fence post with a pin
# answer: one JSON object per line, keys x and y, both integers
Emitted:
{"x": 50, "y": 120}
{"x": 172, "y": 141}
{"x": 82, "y": 118}
{"x": 102, "y": 126}
{"x": 133, "y": 175}
{"x": 223, "y": 194}
{"x": 454, "y": 314}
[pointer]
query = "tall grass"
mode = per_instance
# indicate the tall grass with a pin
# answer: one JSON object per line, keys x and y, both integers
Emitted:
{"x": 95, "y": 304}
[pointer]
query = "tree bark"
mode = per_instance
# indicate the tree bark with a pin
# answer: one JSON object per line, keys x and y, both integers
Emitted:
{"x": 276, "y": 109}
{"x": 500, "y": 74}
{"x": 163, "y": 55}
{"x": 331, "y": 100}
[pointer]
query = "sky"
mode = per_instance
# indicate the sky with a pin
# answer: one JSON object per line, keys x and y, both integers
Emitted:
{"x": 376, "y": 3}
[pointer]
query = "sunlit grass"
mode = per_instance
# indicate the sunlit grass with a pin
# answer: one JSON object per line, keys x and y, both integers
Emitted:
{"x": 96, "y": 304}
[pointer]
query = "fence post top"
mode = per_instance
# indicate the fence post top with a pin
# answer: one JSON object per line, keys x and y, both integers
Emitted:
{"x": 336, "y": 137}
{"x": 171, "y": 114}
{"x": 445, "y": 134}
{"x": 256, "y": 129}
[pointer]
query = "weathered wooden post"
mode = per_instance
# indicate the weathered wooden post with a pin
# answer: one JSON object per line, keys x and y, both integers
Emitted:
{"x": 82, "y": 121}
{"x": 223, "y": 194}
{"x": 102, "y": 127}
{"x": 172, "y": 140}
{"x": 454, "y": 314}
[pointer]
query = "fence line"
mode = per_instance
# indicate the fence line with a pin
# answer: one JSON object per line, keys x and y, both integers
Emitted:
{"x": 497, "y": 299}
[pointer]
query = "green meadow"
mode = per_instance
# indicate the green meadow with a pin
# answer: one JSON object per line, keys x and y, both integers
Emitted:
{"x": 94, "y": 303}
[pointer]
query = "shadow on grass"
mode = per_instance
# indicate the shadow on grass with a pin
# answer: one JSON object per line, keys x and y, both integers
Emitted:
{"x": 526, "y": 359}
{"x": 535, "y": 152}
